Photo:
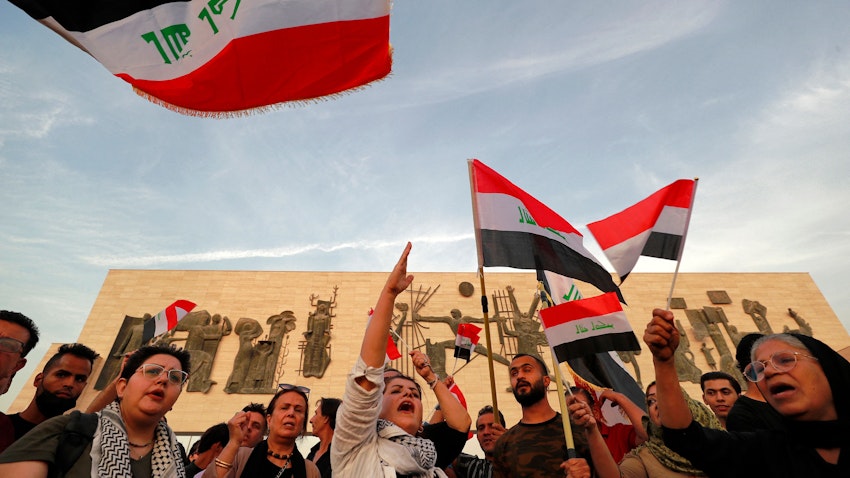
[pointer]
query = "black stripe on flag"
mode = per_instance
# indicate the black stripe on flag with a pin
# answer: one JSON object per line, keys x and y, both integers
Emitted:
{"x": 603, "y": 371}
{"x": 591, "y": 345}
{"x": 662, "y": 246}
{"x": 522, "y": 250}
{"x": 149, "y": 330}
{"x": 86, "y": 15}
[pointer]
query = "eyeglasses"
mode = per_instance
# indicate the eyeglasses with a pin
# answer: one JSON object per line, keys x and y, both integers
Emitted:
{"x": 288, "y": 387}
{"x": 152, "y": 371}
{"x": 10, "y": 345}
{"x": 781, "y": 362}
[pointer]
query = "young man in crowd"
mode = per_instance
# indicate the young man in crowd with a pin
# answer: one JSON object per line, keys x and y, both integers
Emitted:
{"x": 719, "y": 391}
{"x": 536, "y": 446}
{"x": 18, "y": 335}
{"x": 488, "y": 431}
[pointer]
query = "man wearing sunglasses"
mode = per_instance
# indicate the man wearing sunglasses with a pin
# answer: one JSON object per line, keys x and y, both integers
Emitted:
{"x": 18, "y": 335}
{"x": 57, "y": 387}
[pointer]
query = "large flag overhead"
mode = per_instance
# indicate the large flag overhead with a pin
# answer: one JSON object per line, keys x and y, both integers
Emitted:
{"x": 587, "y": 326}
{"x": 226, "y": 56}
{"x": 513, "y": 229}
{"x": 654, "y": 227}
{"x": 166, "y": 320}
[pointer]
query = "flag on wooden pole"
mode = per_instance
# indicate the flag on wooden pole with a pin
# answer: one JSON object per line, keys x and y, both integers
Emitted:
{"x": 513, "y": 229}
{"x": 654, "y": 227}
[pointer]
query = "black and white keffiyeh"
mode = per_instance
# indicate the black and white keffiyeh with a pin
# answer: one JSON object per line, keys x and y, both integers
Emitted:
{"x": 111, "y": 453}
{"x": 409, "y": 455}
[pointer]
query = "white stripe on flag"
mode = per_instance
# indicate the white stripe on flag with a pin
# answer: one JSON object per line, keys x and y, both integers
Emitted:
{"x": 672, "y": 220}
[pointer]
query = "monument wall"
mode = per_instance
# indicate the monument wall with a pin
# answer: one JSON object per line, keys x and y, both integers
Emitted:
{"x": 252, "y": 330}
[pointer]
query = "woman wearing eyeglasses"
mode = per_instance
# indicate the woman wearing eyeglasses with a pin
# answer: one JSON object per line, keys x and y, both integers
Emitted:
{"x": 132, "y": 437}
{"x": 277, "y": 456}
{"x": 377, "y": 422}
{"x": 806, "y": 381}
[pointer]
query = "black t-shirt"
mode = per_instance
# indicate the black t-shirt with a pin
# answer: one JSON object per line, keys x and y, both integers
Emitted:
{"x": 22, "y": 427}
{"x": 447, "y": 441}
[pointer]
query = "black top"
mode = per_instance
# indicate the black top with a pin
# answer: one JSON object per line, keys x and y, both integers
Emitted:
{"x": 324, "y": 463}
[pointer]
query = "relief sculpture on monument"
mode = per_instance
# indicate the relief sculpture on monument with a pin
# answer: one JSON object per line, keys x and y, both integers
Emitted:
{"x": 129, "y": 338}
{"x": 315, "y": 348}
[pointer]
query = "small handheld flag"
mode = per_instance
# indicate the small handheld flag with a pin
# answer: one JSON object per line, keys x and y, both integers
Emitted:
{"x": 166, "y": 320}
{"x": 466, "y": 340}
{"x": 587, "y": 326}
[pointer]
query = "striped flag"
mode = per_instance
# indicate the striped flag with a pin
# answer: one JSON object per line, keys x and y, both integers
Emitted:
{"x": 467, "y": 338}
{"x": 587, "y": 326}
{"x": 166, "y": 320}
{"x": 654, "y": 227}
{"x": 216, "y": 57}
{"x": 601, "y": 369}
{"x": 513, "y": 229}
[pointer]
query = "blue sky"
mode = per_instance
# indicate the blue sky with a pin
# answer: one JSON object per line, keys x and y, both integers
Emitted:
{"x": 589, "y": 107}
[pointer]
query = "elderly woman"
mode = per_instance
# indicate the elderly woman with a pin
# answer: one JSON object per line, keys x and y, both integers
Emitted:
{"x": 650, "y": 459}
{"x": 132, "y": 438}
{"x": 324, "y": 424}
{"x": 807, "y": 382}
{"x": 277, "y": 456}
{"x": 378, "y": 422}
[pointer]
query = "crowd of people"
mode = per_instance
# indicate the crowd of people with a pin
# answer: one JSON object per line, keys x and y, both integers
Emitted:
{"x": 792, "y": 418}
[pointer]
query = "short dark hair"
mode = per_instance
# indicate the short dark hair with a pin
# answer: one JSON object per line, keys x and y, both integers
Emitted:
{"x": 719, "y": 376}
{"x": 255, "y": 407}
{"x": 329, "y": 406}
{"x": 143, "y": 353}
{"x": 537, "y": 359}
{"x": 217, "y": 433}
{"x": 489, "y": 409}
{"x": 745, "y": 346}
{"x": 77, "y": 350}
{"x": 25, "y": 322}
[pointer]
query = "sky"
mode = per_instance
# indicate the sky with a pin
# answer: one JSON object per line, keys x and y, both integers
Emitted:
{"x": 588, "y": 106}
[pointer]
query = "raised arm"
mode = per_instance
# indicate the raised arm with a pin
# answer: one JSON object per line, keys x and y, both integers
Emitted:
{"x": 662, "y": 337}
{"x": 631, "y": 409}
{"x": 374, "y": 348}
{"x": 452, "y": 411}
{"x": 582, "y": 416}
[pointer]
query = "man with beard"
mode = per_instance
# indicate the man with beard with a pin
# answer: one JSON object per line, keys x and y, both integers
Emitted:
{"x": 57, "y": 387}
{"x": 536, "y": 446}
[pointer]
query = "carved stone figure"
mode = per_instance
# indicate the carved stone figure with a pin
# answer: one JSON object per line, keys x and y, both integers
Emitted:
{"x": 805, "y": 327}
{"x": 318, "y": 336}
{"x": 454, "y": 319}
{"x": 247, "y": 329}
{"x": 204, "y": 335}
{"x": 706, "y": 351}
{"x": 686, "y": 368}
{"x": 759, "y": 314}
{"x": 129, "y": 338}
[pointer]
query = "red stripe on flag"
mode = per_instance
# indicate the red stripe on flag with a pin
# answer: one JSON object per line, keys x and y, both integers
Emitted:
{"x": 580, "y": 309}
{"x": 489, "y": 181}
{"x": 392, "y": 350}
{"x": 642, "y": 216}
{"x": 291, "y": 64}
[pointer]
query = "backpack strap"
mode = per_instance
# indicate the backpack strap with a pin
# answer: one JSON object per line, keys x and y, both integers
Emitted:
{"x": 76, "y": 436}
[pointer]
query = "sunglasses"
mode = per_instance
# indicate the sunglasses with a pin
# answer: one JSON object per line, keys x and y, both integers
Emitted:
{"x": 152, "y": 371}
{"x": 288, "y": 387}
{"x": 10, "y": 345}
{"x": 780, "y": 361}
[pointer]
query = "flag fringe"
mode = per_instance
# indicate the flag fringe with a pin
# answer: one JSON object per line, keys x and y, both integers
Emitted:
{"x": 259, "y": 109}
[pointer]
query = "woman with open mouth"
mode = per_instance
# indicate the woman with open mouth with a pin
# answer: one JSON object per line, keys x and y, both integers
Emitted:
{"x": 806, "y": 381}
{"x": 276, "y": 456}
{"x": 131, "y": 437}
{"x": 378, "y": 421}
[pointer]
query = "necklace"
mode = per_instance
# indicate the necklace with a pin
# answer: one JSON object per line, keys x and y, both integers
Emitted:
{"x": 275, "y": 455}
{"x": 136, "y": 445}
{"x": 280, "y": 473}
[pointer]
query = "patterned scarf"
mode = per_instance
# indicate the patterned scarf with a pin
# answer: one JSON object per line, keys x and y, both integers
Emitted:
{"x": 669, "y": 458}
{"x": 418, "y": 456}
{"x": 111, "y": 454}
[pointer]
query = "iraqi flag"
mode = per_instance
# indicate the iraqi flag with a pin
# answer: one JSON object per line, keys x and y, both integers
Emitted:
{"x": 166, "y": 320}
{"x": 513, "y": 229}
{"x": 587, "y": 326}
{"x": 222, "y": 57}
{"x": 654, "y": 227}
{"x": 467, "y": 338}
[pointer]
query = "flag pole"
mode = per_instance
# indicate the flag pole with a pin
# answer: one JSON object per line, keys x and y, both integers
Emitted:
{"x": 484, "y": 308}
{"x": 682, "y": 246}
{"x": 559, "y": 383}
